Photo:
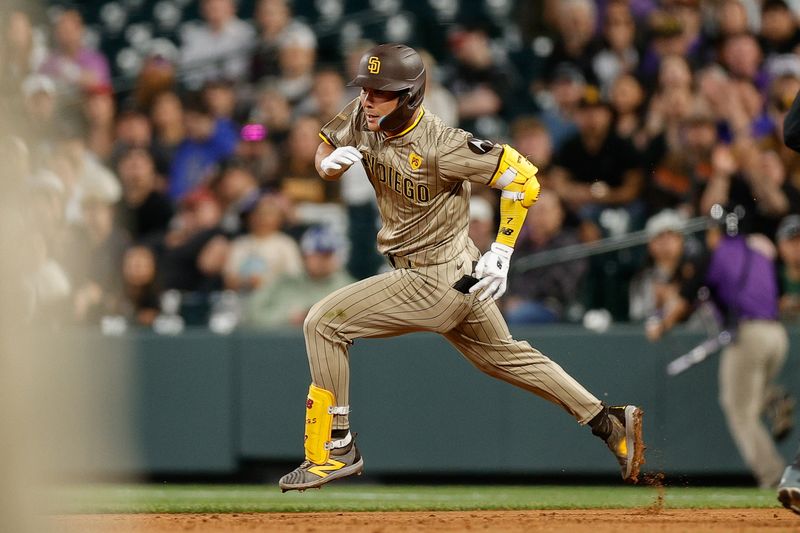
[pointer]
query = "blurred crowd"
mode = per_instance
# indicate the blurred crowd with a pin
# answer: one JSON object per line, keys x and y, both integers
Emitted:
{"x": 188, "y": 193}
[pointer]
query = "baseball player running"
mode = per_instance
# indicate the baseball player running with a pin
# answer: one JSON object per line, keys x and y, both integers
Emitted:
{"x": 422, "y": 172}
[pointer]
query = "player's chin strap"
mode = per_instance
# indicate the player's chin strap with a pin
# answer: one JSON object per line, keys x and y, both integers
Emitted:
{"x": 320, "y": 410}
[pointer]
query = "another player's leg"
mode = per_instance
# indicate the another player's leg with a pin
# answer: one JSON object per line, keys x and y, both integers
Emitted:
{"x": 746, "y": 367}
{"x": 789, "y": 487}
{"x": 483, "y": 337}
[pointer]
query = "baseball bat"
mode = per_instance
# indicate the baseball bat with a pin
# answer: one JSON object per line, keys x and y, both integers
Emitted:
{"x": 699, "y": 353}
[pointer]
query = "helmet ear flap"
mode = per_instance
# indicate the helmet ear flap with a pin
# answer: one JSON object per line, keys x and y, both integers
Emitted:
{"x": 398, "y": 118}
{"x": 415, "y": 100}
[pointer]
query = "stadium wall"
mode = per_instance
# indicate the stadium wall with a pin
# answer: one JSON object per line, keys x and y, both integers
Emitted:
{"x": 203, "y": 403}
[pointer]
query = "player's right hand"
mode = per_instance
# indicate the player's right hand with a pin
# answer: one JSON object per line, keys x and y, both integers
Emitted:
{"x": 492, "y": 271}
{"x": 340, "y": 160}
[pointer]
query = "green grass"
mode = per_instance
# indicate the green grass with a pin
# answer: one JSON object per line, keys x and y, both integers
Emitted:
{"x": 365, "y": 497}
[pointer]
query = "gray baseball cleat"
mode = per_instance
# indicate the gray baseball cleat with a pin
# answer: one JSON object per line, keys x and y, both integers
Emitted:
{"x": 625, "y": 441}
{"x": 342, "y": 462}
{"x": 789, "y": 489}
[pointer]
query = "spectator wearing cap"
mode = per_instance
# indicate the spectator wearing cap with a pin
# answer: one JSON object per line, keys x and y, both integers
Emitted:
{"x": 79, "y": 169}
{"x": 596, "y": 168}
{"x": 788, "y": 237}
{"x": 99, "y": 108}
{"x": 287, "y": 301}
{"x": 73, "y": 65}
{"x": 145, "y": 211}
{"x": 39, "y": 101}
{"x": 482, "y": 223}
{"x": 158, "y": 73}
{"x": 217, "y": 48}
{"x": 654, "y": 289}
{"x": 97, "y": 248}
{"x": 195, "y": 248}
{"x": 599, "y": 176}
{"x": 207, "y": 143}
{"x": 262, "y": 255}
{"x": 23, "y": 51}
{"x": 543, "y": 295}
{"x": 275, "y": 24}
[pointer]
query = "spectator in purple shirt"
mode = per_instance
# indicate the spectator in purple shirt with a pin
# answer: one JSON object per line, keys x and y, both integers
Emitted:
{"x": 739, "y": 276}
{"x": 73, "y": 65}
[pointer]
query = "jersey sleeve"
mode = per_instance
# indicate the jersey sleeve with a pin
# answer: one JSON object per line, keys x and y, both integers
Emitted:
{"x": 462, "y": 157}
{"x": 341, "y": 130}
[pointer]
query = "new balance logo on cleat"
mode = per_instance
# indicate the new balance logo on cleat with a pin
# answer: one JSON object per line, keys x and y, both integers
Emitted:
{"x": 309, "y": 475}
{"x": 327, "y": 468}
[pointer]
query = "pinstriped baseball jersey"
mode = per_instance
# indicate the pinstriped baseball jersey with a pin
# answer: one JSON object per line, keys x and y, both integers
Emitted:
{"x": 422, "y": 181}
{"x": 422, "y": 178}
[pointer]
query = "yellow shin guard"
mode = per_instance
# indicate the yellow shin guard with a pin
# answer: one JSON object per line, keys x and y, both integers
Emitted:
{"x": 320, "y": 408}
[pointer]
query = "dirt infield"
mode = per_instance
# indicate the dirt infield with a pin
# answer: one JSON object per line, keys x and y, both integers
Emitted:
{"x": 586, "y": 521}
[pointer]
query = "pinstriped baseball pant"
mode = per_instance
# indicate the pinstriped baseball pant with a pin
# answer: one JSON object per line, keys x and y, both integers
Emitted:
{"x": 422, "y": 299}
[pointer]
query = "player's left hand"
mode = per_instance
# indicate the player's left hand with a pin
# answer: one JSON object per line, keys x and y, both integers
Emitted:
{"x": 492, "y": 271}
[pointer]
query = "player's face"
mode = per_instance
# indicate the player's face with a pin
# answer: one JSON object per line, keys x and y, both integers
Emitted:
{"x": 377, "y": 104}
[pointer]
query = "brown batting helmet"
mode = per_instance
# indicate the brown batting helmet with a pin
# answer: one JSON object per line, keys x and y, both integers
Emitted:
{"x": 393, "y": 67}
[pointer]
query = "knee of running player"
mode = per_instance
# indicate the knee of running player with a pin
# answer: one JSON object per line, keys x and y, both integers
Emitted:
{"x": 318, "y": 322}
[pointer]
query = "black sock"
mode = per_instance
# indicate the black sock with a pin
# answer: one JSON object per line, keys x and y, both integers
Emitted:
{"x": 337, "y": 434}
{"x": 601, "y": 424}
